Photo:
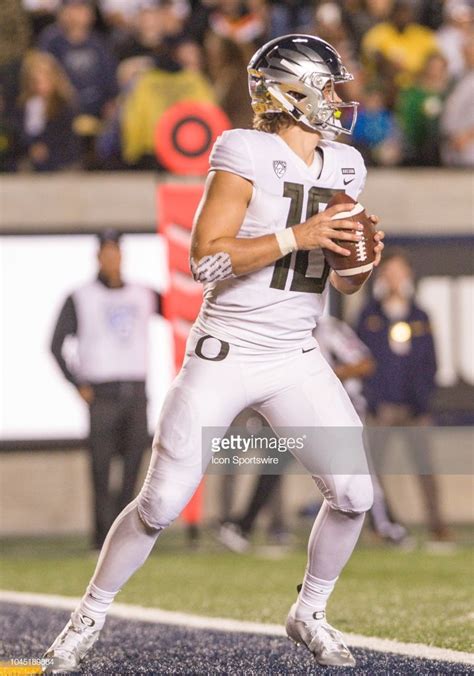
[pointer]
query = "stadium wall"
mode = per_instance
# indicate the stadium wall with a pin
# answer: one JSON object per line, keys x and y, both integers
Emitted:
{"x": 409, "y": 201}
{"x": 48, "y": 493}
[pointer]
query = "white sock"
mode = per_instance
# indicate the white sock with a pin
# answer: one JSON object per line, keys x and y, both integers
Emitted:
{"x": 126, "y": 548}
{"x": 332, "y": 540}
{"x": 95, "y": 603}
{"x": 313, "y": 597}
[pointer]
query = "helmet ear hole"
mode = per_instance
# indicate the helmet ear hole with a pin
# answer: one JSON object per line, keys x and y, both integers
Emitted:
{"x": 297, "y": 96}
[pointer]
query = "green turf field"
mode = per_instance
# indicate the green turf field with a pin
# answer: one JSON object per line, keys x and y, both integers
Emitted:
{"x": 412, "y": 596}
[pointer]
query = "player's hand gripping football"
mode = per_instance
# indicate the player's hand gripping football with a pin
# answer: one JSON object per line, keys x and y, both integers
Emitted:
{"x": 378, "y": 237}
{"x": 319, "y": 231}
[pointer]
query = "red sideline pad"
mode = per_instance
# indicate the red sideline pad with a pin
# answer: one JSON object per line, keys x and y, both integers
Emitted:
{"x": 180, "y": 330}
{"x": 192, "y": 513}
{"x": 183, "y": 299}
{"x": 176, "y": 207}
{"x": 179, "y": 241}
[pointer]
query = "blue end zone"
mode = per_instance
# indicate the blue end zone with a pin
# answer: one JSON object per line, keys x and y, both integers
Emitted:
{"x": 128, "y": 647}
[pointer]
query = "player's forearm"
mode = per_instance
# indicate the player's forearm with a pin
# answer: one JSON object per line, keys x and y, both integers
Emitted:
{"x": 234, "y": 256}
{"x": 237, "y": 256}
{"x": 344, "y": 285}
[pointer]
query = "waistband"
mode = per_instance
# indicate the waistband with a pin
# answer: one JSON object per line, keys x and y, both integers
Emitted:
{"x": 197, "y": 338}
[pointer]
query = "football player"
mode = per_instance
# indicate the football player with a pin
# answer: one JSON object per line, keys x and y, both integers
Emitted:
{"x": 257, "y": 248}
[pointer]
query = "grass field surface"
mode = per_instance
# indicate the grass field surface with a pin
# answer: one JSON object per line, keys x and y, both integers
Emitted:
{"x": 410, "y": 596}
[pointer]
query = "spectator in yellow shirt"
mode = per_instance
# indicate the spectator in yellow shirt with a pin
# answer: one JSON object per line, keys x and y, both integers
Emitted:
{"x": 398, "y": 48}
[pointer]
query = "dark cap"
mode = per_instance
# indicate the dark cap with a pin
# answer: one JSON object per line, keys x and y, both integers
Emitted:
{"x": 109, "y": 235}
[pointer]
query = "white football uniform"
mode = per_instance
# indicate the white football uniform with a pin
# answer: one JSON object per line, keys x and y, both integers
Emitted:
{"x": 252, "y": 345}
{"x": 277, "y": 306}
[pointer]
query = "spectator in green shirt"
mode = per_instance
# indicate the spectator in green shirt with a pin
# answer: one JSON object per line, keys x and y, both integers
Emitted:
{"x": 419, "y": 109}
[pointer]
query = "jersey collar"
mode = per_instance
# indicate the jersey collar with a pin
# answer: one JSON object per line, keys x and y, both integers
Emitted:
{"x": 307, "y": 170}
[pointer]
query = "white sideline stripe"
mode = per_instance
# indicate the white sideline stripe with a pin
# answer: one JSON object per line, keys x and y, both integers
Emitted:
{"x": 155, "y": 615}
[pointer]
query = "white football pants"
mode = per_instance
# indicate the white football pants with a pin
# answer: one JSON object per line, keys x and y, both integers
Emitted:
{"x": 293, "y": 389}
{"x": 216, "y": 382}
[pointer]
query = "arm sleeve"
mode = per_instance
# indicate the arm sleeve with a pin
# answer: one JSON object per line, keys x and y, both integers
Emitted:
{"x": 66, "y": 325}
{"x": 231, "y": 153}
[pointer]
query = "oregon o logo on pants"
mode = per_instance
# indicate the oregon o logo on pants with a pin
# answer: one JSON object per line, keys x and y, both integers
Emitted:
{"x": 220, "y": 356}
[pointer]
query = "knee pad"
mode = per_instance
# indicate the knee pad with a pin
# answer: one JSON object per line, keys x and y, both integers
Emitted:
{"x": 352, "y": 494}
{"x": 167, "y": 489}
{"x": 158, "y": 511}
{"x": 357, "y": 496}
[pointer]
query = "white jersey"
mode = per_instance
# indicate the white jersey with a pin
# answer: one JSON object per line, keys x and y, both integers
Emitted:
{"x": 277, "y": 306}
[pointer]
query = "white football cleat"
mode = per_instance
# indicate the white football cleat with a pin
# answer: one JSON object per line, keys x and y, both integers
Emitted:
{"x": 392, "y": 532}
{"x": 232, "y": 537}
{"x": 326, "y": 643}
{"x": 72, "y": 644}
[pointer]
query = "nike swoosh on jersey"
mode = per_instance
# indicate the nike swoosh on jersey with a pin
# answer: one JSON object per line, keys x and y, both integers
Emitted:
{"x": 346, "y": 182}
{"x": 310, "y": 350}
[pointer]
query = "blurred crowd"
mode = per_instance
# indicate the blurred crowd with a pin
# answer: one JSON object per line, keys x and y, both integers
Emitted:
{"x": 82, "y": 83}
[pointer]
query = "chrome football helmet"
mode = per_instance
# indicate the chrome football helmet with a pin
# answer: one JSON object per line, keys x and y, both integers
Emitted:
{"x": 297, "y": 74}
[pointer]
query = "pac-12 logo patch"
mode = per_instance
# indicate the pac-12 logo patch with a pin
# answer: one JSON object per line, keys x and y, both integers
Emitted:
{"x": 279, "y": 167}
{"x": 121, "y": 320}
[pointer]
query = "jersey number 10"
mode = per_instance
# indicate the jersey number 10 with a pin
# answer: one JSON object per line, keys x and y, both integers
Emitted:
{"x": 303, "y": 259}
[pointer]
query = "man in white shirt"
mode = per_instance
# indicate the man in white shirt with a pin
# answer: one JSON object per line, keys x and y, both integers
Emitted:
{"x": 109, "y": 319}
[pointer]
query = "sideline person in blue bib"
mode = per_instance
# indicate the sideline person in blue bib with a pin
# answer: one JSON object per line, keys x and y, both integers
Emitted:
{"x": 109, "y": 318}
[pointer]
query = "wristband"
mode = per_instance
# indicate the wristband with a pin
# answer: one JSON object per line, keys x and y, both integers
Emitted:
{"x": 286, "y": 241}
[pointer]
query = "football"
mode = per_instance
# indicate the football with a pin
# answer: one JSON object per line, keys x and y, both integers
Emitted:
{"x": 356, "y": 267}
